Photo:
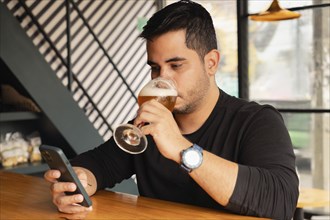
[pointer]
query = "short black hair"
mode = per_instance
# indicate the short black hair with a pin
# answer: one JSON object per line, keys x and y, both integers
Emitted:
{"x": 184, "y": 15}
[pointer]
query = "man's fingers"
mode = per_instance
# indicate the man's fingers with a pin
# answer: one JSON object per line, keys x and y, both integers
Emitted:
{"x": 64, "y": 200}
{"x": 52, "y": 175}
{"x": 61, "y": 187}
{"x": 69, "y": 204}
{"x": 76, "y": 212}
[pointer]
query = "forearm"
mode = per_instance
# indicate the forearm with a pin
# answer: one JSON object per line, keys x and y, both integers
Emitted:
{"x": 259, "y": 191}
{"x": 217, "y": 177}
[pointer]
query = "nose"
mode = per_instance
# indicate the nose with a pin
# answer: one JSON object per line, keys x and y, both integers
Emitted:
{"x": 164, "y": 72}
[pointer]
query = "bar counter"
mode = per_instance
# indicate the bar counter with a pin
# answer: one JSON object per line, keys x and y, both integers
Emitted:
{"x": 28, "y": 197}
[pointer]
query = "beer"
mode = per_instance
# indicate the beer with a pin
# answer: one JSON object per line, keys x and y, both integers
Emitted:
{"x": 167, "y": 97}
{"x": 129, "y": 137}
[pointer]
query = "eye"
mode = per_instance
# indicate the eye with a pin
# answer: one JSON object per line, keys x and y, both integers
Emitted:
{"x": 176, "y": 65}
{"x": 155, "y": 69}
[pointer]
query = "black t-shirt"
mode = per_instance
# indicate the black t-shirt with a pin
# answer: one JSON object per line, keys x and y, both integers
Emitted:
{"x": 252, "y": 135}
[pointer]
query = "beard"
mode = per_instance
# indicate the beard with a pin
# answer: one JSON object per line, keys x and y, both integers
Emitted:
{"x": 194, "y": 96}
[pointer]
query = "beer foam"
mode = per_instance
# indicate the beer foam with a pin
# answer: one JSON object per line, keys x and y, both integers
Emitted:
{"x": 158, "y": 92}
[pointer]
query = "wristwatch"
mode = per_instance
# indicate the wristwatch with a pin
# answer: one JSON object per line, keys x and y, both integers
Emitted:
{"x": 191, "y": 158}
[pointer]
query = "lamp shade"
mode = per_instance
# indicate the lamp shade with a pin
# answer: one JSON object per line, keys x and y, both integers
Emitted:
{"x": 275, "y": 13}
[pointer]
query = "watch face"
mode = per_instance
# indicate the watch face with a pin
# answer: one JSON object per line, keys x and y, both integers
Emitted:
{"x": 192, "y": 158}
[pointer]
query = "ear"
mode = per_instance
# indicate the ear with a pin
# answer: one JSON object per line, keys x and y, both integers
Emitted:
{"x": 211, "y": 61}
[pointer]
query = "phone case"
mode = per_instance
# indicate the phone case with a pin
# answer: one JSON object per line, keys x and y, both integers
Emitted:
{"x": 56, "y": 159}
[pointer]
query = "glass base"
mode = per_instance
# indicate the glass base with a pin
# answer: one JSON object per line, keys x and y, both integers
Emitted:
{"x": 130, "y": 139}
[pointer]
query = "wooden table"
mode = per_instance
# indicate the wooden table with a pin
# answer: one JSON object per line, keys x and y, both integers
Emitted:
{"x": 311, "y": 198}
{"x": 28, "y": 197}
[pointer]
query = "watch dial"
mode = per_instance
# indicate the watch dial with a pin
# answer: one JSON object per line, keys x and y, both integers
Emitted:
{"x": 192, "y": 158}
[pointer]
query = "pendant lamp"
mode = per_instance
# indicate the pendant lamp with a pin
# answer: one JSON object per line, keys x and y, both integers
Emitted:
{"x": 275, "y": 13}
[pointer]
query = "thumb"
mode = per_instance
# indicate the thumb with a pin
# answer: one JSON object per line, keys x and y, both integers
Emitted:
{"x": 82, "y": 176}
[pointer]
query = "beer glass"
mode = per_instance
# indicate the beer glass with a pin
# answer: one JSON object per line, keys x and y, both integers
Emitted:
{"x": 129, "y": 137}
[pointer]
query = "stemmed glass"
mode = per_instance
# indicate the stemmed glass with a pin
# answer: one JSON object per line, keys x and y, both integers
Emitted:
{"x": 129, "y": 137}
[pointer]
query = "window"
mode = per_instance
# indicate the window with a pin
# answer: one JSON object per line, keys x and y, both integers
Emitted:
{"x": 289, "y": 68}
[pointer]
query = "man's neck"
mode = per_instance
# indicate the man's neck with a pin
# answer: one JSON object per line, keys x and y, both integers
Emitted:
{"x": 189, "y": 123}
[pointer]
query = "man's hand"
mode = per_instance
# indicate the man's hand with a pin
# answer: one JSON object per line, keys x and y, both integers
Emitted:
{"x": 160, "y": 124}
{"x": 68, "y": 203}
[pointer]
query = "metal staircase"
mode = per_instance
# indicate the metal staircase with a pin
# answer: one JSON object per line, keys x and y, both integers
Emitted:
{"x": 94, "y": 50}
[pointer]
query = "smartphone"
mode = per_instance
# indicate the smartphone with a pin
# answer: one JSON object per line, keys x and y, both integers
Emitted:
{"x": 56, "y": 159}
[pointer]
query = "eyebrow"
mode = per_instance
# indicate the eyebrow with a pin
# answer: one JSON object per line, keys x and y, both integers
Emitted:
{"x": 174, "y": 59}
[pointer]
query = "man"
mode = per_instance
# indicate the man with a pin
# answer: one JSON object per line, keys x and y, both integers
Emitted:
{"x": 243, "y": 159}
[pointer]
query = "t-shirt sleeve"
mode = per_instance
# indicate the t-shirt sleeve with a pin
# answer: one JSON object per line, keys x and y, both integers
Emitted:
{"x": 267, "y": 184}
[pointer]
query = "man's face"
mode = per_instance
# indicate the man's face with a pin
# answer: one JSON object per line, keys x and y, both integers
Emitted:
{"x": 168, "y": 56}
